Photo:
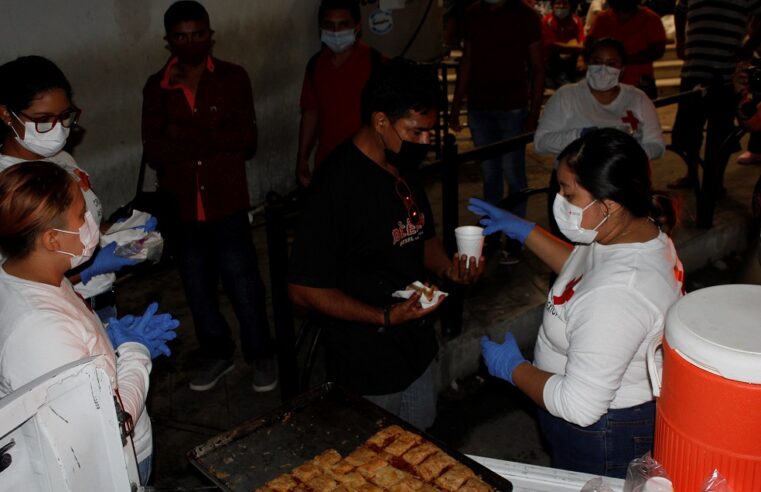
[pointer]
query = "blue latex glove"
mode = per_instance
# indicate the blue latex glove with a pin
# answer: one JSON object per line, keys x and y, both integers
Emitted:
{"x": 500, "y": 220}
{"x": 587, "y": 129}
{"x": 149, "y": 226}
{"x": 501, "y": 360}
{"x": 106, "y": 261}
{"x": 150, "y": 329}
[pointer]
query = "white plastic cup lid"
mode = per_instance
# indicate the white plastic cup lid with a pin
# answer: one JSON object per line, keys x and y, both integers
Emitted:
{"x": 719, "y": 330}
{"x": 657, "y": 484}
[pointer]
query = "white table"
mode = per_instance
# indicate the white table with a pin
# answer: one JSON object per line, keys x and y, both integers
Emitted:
{"x": 532, "y": 478}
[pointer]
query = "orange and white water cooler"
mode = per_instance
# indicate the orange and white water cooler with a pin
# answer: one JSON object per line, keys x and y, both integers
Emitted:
{"x": 708, "y": 414}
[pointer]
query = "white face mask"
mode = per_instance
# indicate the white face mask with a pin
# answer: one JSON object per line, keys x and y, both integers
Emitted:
{"x": 45, "y": 144}
{"x": 338, "y": 41}
{"x": 88, "y": 235}
{"x": 568, "y": 216}
{"x": 561, "y": 13}
{"x": 602, "y": 77}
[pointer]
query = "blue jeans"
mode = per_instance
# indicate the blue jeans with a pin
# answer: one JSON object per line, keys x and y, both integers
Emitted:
{"x": 208, "y": 251}
{"x": 417, "y": 403}
{"x": 605, "y": 447}
{"x": 144, "y": 470}
{"x": 489, "y": 126}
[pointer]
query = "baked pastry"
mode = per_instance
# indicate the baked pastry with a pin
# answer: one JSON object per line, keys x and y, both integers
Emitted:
{"x": 424, "y": 290}
{"x": 393, "y": 460}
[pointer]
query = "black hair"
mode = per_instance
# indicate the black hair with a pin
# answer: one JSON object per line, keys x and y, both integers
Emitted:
{"x": 24, "y": 78}
{"x": 611, "y": 164}
{"x": 351, "y": 5}
{"x": 398, "y": 87}
{"x": 183, "y": 11}
{"x": 606, "y": 43}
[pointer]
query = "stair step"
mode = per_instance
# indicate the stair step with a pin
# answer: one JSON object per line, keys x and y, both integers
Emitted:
{"x": 667, "y": 69}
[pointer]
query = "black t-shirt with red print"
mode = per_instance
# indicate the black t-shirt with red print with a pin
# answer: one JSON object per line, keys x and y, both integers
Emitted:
{"x": 356, "y": 235}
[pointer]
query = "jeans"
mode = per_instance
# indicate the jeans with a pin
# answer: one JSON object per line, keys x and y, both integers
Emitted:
{"x": 144, "y": 470}
{"x": 605, "y": 447}
{"x": 223, "y": 248}
{"x": 417, "y": 403}
{"x": 489, "y": 126}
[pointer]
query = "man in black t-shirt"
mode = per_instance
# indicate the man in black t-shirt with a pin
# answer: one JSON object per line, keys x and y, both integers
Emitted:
{"x": 367, "y": 231}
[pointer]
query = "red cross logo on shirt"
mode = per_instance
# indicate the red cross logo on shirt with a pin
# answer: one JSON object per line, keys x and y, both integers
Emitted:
{"x": 84, "y": 179}
{"x": 567, "y": 292}
{"x": 631, "y": 120}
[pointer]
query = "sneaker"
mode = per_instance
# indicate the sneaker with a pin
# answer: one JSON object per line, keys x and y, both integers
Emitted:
{"x": 748, "y": 158}
{"x": 210, "y": 373}
{"x": 265, "y": 375}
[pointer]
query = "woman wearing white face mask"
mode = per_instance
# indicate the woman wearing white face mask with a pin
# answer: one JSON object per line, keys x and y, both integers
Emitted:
{"x": 599, "y": 101}
{"x": 45, "y": 230}
{"x": 609, "y": 300}
{"x": 36, "y": 109}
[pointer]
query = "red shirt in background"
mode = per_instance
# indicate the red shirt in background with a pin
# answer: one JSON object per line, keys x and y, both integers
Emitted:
{"x": 335, "y": 93}
{"x": 638, "y": 32}
{"x": 556, "y": 31}
{"x": 499, "y": 47}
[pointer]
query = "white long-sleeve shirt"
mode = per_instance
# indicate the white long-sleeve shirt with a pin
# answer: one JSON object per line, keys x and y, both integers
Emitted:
{"x": 607, "y": 304}
{"x": 43, "y": 327}
{"x": 573, "y": 108}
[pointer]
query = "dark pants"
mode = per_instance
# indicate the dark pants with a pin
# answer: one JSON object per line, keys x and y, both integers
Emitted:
{"x": 605, "y": 447}
{"x": 223, "y": 248}
{"x": 715, "y": 111}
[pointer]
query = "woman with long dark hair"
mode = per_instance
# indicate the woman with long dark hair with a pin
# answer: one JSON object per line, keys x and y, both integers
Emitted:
{"x": 614, "y": 286}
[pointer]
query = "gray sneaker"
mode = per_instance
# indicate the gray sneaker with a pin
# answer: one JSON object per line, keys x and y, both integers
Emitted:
{"x": 265, "y": 375}
{"x": 210, "y": 373}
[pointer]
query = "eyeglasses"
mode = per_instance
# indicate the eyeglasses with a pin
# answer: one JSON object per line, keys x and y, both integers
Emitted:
{"x": 404, "y": 192}
{"x": 184, "y": 37}
{"x": 44, "y": 124}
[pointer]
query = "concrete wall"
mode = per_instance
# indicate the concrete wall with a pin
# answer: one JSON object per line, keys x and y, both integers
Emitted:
{"x": 107, "y": 49}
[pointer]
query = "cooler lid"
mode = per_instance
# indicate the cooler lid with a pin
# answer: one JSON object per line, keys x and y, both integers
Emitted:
{"x": 719, "y": 329}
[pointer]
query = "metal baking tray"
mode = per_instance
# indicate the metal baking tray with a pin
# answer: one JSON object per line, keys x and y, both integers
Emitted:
{"x": 325, "y": 417}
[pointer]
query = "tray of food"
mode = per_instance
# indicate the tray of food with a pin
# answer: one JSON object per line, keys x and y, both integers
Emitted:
{"x": 330, "y": 439}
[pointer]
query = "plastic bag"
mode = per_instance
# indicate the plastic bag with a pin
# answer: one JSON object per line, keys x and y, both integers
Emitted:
{"x": 716, "y": 483}
{"x": 647, "y": 475}
{"x": 596, "y": 485}
{"x": 147, "y": 248}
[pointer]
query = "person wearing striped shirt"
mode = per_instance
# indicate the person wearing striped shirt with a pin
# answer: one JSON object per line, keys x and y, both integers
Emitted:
{"x": 710, "y": 38}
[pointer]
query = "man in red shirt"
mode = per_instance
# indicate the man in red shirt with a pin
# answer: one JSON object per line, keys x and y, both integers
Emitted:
{"x": 332, "y": 85}
{"x": 563, "y": 36}
{"x": 199, "y": 126}
{"x": 641, "y": 31}
{"x": 502, "y": 73}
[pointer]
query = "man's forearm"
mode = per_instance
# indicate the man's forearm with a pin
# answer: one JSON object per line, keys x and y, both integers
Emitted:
{"x": 336, "y": 304}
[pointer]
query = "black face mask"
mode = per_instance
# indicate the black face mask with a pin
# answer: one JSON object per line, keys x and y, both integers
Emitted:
{"x": 410, "y": 154}
{"x": 193, "y": 53}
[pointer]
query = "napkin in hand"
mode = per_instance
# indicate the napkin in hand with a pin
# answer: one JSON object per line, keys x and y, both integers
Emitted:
{"x": 424, "y": 301}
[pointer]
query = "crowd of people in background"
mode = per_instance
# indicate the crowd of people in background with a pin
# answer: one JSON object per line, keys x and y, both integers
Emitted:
{"x": 367, "y": 229}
